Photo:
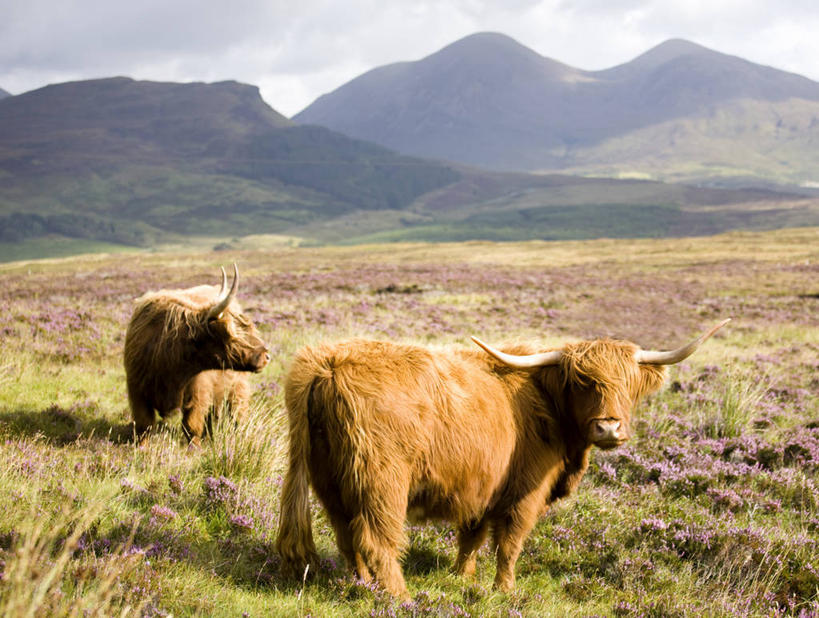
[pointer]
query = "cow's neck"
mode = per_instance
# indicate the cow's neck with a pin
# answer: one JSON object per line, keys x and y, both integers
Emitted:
{"x": 575, "y": 463}
{"x": 566, "y": 436}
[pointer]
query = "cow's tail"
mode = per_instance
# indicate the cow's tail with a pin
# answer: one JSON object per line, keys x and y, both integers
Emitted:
{"x": 295, "y": 542}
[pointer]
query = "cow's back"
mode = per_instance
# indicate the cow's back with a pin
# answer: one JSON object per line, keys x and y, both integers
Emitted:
{"x": 437, "y": 421}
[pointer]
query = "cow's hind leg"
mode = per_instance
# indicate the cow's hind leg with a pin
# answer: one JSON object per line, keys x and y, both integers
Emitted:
{"x": 470, "y": 538}
{"x": 329, "y": 495}
{"x": 344, "y": 539}
{"x": 378, "y": 535}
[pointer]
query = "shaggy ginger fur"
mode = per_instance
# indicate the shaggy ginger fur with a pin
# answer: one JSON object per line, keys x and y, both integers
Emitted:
{"x": 382, "y": 431}
{"x": 177, "y": 357}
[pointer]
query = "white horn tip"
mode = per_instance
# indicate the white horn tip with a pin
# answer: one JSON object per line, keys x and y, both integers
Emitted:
{"x": 478, "y": 342}
{"x": 717, "y": 327}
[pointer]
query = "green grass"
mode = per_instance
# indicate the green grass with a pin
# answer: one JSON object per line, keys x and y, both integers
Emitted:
{"x": 56, "y": 247}
{"x": 576, "y": 222}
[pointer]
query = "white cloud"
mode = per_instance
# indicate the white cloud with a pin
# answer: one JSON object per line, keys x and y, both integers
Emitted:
{"x": 296, "y": 51}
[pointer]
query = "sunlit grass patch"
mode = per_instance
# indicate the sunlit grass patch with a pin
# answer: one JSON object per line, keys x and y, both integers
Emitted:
{"x": 251, "y": 448}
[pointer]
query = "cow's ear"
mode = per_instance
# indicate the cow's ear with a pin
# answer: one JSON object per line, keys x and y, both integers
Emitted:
{"x": 553, "y": 384}
{"x": 211, "y": 321}
{"x": 651, "y": 379}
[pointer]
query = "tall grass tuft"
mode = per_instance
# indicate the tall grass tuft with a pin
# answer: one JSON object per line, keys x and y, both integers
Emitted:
{"x": 48, "y": 574}
{"x": 249, "y": 449}
{"x": 733, "y": 408}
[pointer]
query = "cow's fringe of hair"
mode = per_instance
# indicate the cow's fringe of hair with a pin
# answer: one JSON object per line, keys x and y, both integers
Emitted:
{"x": 609, "y": 363}
{"x": 589, "y": 362}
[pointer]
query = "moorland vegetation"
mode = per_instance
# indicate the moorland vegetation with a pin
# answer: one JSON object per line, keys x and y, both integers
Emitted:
{"x": 712, "y": 508}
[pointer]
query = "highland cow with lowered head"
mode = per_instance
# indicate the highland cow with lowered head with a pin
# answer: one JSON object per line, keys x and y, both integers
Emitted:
{"x": 185, "y": 349}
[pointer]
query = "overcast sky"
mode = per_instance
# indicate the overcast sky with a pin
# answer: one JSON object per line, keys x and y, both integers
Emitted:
{"x": 296, "y": 50}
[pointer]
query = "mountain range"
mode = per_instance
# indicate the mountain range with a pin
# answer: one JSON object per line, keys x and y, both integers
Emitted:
{"x": 679, "y": 111}
{"x": 139, "y": 162}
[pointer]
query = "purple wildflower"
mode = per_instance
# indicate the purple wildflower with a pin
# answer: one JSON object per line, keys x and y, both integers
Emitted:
{"x": 220, "y": 490}
{"x": 242, "y": 521}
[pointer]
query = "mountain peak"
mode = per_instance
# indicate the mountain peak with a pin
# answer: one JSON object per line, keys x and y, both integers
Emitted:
{"x": 676, "y": 47}
{"x": 489, "y": 49}
{"x": 482, "y": 40}
{"x": 487, "y": 100}
{"x": 667, "y": 51}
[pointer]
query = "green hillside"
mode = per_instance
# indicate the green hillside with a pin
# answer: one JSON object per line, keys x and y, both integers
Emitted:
{"x": 131, "y": 162}
{"x": 505, "y": 207}
{"x": 741, "y": 141}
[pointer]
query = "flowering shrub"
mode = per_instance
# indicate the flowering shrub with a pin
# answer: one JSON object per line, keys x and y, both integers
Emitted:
{"x": 220, "y": 491}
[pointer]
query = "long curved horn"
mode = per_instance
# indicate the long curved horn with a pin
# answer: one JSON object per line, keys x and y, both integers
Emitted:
{"x": 653, "y": 357}
{"x": 223, "y": 300}
{"x": 522, "y": 362}
{"x": 224, "y": 283}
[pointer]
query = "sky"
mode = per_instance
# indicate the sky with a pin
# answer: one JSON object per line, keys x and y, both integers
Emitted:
{"x": 296, "y": 50}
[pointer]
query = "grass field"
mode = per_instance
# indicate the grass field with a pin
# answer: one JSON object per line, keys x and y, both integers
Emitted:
{"x": 711, "y": 509}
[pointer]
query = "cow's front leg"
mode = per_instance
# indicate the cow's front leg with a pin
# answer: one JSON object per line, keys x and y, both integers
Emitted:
{"x": 195, "y": 408}
{"x": 470, "y": 538}
{"x": 142, "y": 413}
{"x": 509, "y": 533}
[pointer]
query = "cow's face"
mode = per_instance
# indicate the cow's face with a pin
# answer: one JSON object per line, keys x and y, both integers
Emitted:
{"x": 599, "y": 382}
{"x": 230, "y": 341}
{"x": 603, "y": 414}
{"x": 602, "y": 394}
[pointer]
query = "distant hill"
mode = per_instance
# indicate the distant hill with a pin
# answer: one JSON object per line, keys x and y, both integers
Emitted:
{"x": 505, "y": 207}
{"x": 678, "y": 111}
{"x": 4, "y": 94}
{"x": 127, "y": 161}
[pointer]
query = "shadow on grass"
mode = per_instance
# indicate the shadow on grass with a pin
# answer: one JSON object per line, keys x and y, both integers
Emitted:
{"x": 243, "y": 560}
{"x": 425, "y": 560}
{"x": 239, "y": 559}
{"x": 63, "y": 426}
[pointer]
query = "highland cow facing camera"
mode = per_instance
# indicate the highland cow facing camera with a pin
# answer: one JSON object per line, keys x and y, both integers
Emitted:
{"x": 486, "y": 439}
{"x": 189, "y": 349}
